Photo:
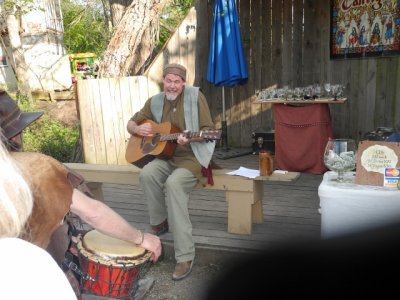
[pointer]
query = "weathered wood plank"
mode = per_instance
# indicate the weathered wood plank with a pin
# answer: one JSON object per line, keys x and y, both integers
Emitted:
{"x": 297, "y": 72}
{"x": 264, "y": 32}
{"x": 311, "y": 56}
{"x": 396, "y": 109}
{"x": 287, "y": 48}
{"x": 276, "y": 30}
{"x": 323, "y": 34}
{"x": 265, "y": 63}
{"x": 380, "y": 92}
{"x": 91, "y": 121}
{"x": 241, "y": 94}
{"x": 255, "y": 45}
{"x": 390, "y": 91}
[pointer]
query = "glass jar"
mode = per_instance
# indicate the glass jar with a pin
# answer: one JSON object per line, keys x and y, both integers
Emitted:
{"x": 266, "y": 163}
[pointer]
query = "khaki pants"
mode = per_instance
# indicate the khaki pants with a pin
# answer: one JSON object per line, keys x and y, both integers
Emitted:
{"x": 167, "y": 192}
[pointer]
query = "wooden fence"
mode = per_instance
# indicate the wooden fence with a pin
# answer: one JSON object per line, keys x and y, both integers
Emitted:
{"x": 286, "y": 43}
{"x": 105, "y": 106}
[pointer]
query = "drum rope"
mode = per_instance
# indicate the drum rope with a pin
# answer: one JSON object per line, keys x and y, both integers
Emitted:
{"x": 75, "y": 268}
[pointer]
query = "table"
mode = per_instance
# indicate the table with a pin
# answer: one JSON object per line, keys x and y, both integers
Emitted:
{"x": 302, "y": 129}
{"x": 296, "y": 102}
{"x": 349, "y": 208}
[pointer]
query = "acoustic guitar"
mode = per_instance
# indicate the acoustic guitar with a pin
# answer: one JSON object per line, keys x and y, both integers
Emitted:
{"x": 143, "y": 149}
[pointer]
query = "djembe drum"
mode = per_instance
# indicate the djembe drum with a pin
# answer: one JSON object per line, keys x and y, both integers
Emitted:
{"x": 114, "y": 265}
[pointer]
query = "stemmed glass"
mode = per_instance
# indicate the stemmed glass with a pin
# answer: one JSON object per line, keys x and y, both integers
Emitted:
{"x": 340, "y": 157}
{"x": 337, "y": 90}
{"x": 328, "y": 88}
{"x": 308, "y": 92}
{"x": 298, "y": 93}
{"x": 317, "y": 91}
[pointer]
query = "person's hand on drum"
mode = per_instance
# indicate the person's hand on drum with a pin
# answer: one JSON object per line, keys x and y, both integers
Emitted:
{"x": 152, "y": 243}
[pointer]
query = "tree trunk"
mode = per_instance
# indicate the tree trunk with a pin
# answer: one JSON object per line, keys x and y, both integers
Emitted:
{"x": 132, "y": 42}
{"x": 21, "y": 68}
{"x": 106, "y": 9}
{"x": 117, "y": 9}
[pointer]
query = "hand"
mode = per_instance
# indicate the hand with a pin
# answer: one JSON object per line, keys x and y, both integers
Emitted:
{"x": 152, "y": 243}
{"x": 144, "y": 129}
{"x": 182, "y": 139}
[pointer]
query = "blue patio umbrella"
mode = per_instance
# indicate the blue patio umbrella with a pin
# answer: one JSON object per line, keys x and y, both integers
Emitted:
{"x": 226, "y": 63}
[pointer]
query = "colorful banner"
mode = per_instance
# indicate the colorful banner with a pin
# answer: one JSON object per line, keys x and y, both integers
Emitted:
{"x": 364, "y": 28}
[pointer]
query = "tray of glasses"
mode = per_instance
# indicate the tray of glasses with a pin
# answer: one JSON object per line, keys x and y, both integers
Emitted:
{"x": 301, "y": 101}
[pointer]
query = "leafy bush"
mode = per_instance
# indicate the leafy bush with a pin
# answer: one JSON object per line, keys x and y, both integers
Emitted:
{"x": 85, "y": 27}
{"x": 49, "y": 136}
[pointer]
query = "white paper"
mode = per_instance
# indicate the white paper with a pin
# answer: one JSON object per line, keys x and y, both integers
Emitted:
{"x": 281, "y": 172}
{"x": 245, "y": 172}
{"x": 253, "y": 173}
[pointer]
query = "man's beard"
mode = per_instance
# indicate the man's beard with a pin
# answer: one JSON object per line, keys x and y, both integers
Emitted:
{"x": 171, "y": 96}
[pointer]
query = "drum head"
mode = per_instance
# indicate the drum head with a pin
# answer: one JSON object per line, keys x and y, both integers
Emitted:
{"x": 105, "y": 246}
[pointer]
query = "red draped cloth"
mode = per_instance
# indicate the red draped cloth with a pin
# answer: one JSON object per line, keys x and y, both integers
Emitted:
{"x": 301, "y": 134}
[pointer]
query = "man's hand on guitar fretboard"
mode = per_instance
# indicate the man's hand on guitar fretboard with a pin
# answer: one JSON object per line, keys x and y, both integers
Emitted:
{"x": 202, "y": 136}
{"x": 184, "y": 138}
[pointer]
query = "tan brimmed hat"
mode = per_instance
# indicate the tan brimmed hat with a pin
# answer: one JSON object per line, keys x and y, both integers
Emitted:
{"x": 12, "y": 119}
{"x": 175, "y": 69}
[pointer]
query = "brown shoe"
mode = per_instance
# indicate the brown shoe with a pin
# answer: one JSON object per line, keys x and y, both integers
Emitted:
{"x": 160, "y": 228}
{"x": 182, "y": 270}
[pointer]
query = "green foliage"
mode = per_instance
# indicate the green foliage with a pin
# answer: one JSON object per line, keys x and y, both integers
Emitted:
{"x": 84, "y": 27}
{"x": 18, "y": 7}
{"x": 48, "y": 136}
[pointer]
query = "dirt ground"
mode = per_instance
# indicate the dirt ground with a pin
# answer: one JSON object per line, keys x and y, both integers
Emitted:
{"x": 64, "y": 111}
{"x": 193, "y": 287}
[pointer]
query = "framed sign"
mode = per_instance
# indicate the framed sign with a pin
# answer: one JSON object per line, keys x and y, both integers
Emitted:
{"x": 364, "y": 28}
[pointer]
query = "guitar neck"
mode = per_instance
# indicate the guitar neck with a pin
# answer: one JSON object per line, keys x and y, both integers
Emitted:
{"x": 175, "y": 136}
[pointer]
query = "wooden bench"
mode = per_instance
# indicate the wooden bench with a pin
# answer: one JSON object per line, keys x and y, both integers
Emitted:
{"x": 244, "y": 195}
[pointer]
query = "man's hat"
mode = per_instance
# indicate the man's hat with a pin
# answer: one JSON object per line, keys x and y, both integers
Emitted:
{"x": 175, "y": 69}
{"x": 12, "y": 119}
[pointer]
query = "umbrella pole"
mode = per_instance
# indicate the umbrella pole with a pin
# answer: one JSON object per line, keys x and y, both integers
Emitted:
{"x": 223, "y": 123}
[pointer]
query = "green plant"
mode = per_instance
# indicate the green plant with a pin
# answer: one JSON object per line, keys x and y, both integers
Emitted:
{"x": 49, "y": 136}
{"x": 84, "y": 27}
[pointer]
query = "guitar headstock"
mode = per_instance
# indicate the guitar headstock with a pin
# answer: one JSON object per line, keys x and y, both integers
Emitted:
{"x": 211, "y": 134}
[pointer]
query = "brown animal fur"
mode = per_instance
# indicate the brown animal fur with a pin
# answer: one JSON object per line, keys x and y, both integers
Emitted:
{"x": 52, "y": 192}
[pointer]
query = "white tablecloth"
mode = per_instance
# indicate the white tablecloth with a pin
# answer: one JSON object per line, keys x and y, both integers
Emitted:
{"x": 349, "y": 208}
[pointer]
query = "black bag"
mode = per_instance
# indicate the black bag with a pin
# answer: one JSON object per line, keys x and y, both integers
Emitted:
{"x": 263, "y": 140}
{"x": 380, "y": 134}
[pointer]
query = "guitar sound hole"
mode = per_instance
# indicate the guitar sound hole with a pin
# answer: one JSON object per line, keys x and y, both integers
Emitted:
{"x": 156, "y": 139}
{"x": 151, "y": 143}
